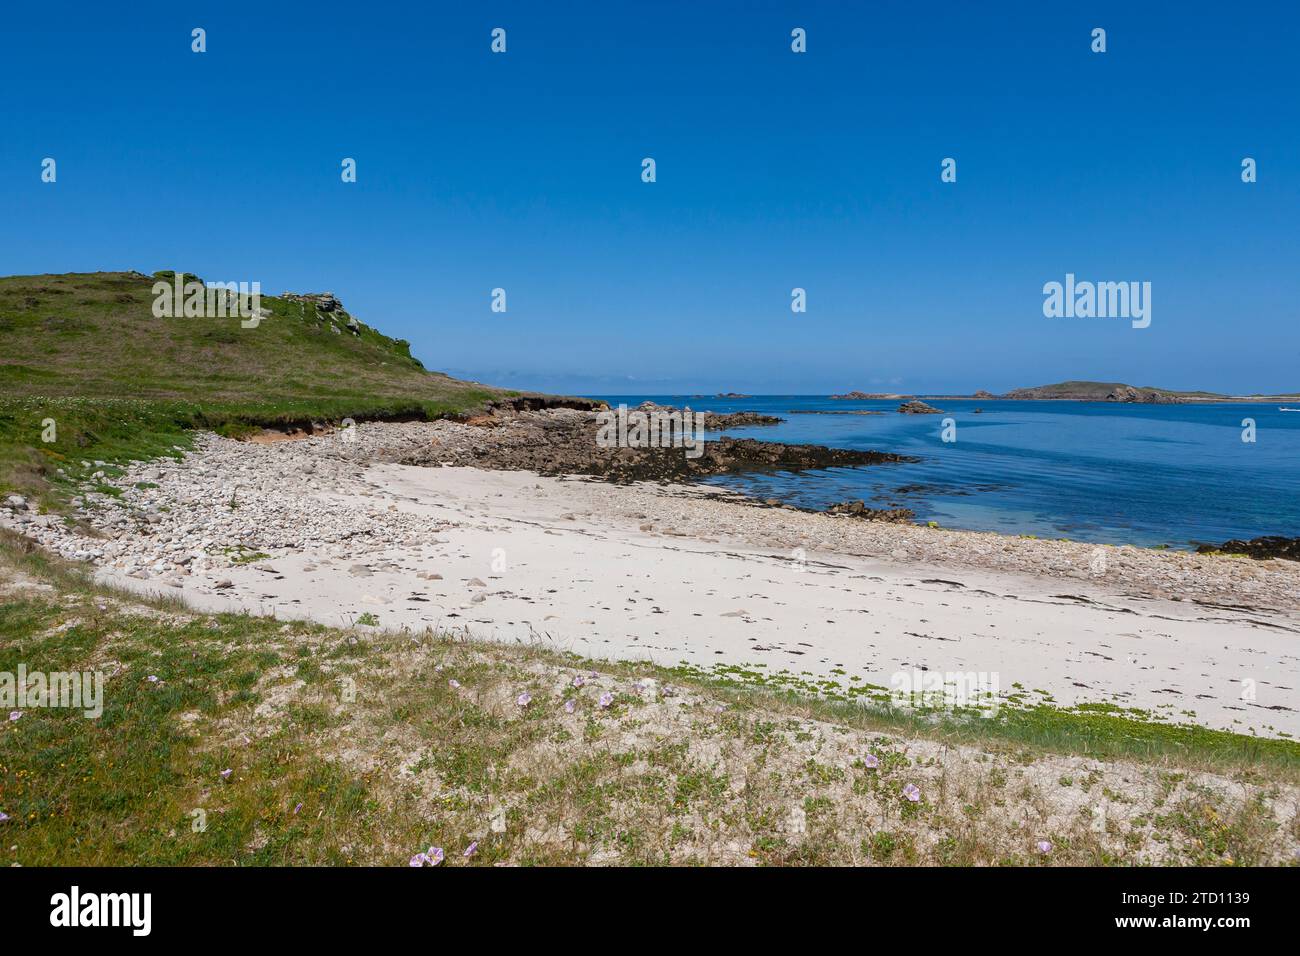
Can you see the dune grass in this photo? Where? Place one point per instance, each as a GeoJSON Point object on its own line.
{"type": "Point", "coordinates": [1027, 718]}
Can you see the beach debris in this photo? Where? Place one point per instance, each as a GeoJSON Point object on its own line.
{"type": "Point", "coordinates": [857, 508]}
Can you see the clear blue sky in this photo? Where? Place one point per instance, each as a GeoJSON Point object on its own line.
{"type": "Point", "coordinates": [775, 170]}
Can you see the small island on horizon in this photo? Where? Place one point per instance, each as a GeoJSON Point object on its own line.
{"type": "Point", "coordinates": [1085, 391]}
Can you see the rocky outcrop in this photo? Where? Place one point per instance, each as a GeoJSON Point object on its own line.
{"type": "Point", "coordinates": [327, 309]}
{"type": "Point", "coordinates": [716, 421]}
{"type": "Point", "coordinates": [563, 441]}
{"type": "Point", "coordinates": [833, 411]}
{"type": "Point", "coordinates": [324, 301]}
{"type": "Point", "coordinates": [859, 509]}
{"type": "Point", "coordinates": [917, 407]}
{"type": "Point", "coordinates": [1268, 546]}
{"type": "Point", "coordinates": [719, 421]}
{"type": "Point", "coordinates": [1146, 396]}
{"type": "Point", "coordinates": [856, 396]}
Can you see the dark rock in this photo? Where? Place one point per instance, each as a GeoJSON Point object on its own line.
{"type": "Point", "coordinates": [1268, 546]}
{"type": "Point", "coordinates": [565, 442]}
{"type": "Point", "coordinates": [1127, 393]}
{"type": "Point", "coordinates": [716, 421]}
{"type": "Point", "coordinates": [536, 402]}
{"type": "Point", "coordinates": [858, 509]}
{"type": "Point", "coordinates": [917, 407]}
{"type": "Point", "coordinates": [833, 411]}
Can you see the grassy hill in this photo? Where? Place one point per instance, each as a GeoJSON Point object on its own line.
{"type": "Point", "coordinates": [85, 352]}
{"type": "Point", "coordinates": [95, 335]}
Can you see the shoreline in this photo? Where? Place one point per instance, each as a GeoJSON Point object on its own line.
{"type": "Point", "coordinates": [343, 532]}
{"type": "Point", "coordinates": [1263, 540]}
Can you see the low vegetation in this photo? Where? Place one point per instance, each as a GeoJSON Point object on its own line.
{"type": "Point", "coordinates": [231, 739]}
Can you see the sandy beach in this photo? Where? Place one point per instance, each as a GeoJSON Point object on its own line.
{"type": "Point", "coordinates": [676, 574]}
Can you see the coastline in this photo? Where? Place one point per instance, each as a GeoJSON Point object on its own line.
{"type": "Point", "coordinates": [345, 531]}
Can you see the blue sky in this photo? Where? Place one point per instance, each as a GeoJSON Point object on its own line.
{"type": "Point", "coordinates": [775, 170]}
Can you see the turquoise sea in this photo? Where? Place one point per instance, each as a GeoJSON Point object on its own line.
{"type": "Point", "coordinates": [1172, 475]}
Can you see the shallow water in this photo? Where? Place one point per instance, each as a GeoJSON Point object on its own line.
{"type": "Point", "coordinates": [1089, 471]}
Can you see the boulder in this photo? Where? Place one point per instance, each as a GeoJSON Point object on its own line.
{"type": "Point", "coordinates": [918, 407]}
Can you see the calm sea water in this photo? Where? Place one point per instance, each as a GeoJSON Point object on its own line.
{"type": "Point", "coordinates": [1090, 471]}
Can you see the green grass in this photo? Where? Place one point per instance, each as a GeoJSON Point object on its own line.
{"type": "Point", "coordinates": [85, 353]}
{"type": "Point", "coordinates": [1104, 731]}
{"type": "Point", "coordinates": [94, 334]}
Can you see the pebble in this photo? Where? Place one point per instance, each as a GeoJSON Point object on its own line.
{"type": "Point", "coordinates": [227, 500]}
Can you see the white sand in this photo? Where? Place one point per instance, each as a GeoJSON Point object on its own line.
{"type": "Point", "coordinates": [559, 565]}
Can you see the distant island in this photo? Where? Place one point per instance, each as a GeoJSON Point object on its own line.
{"type": "Point", "coordinates": [1078, 391]}
{"type": "Point", "coordinates": [1109, 392]}
{"type": "Point", "coordinates": [867, 396]}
